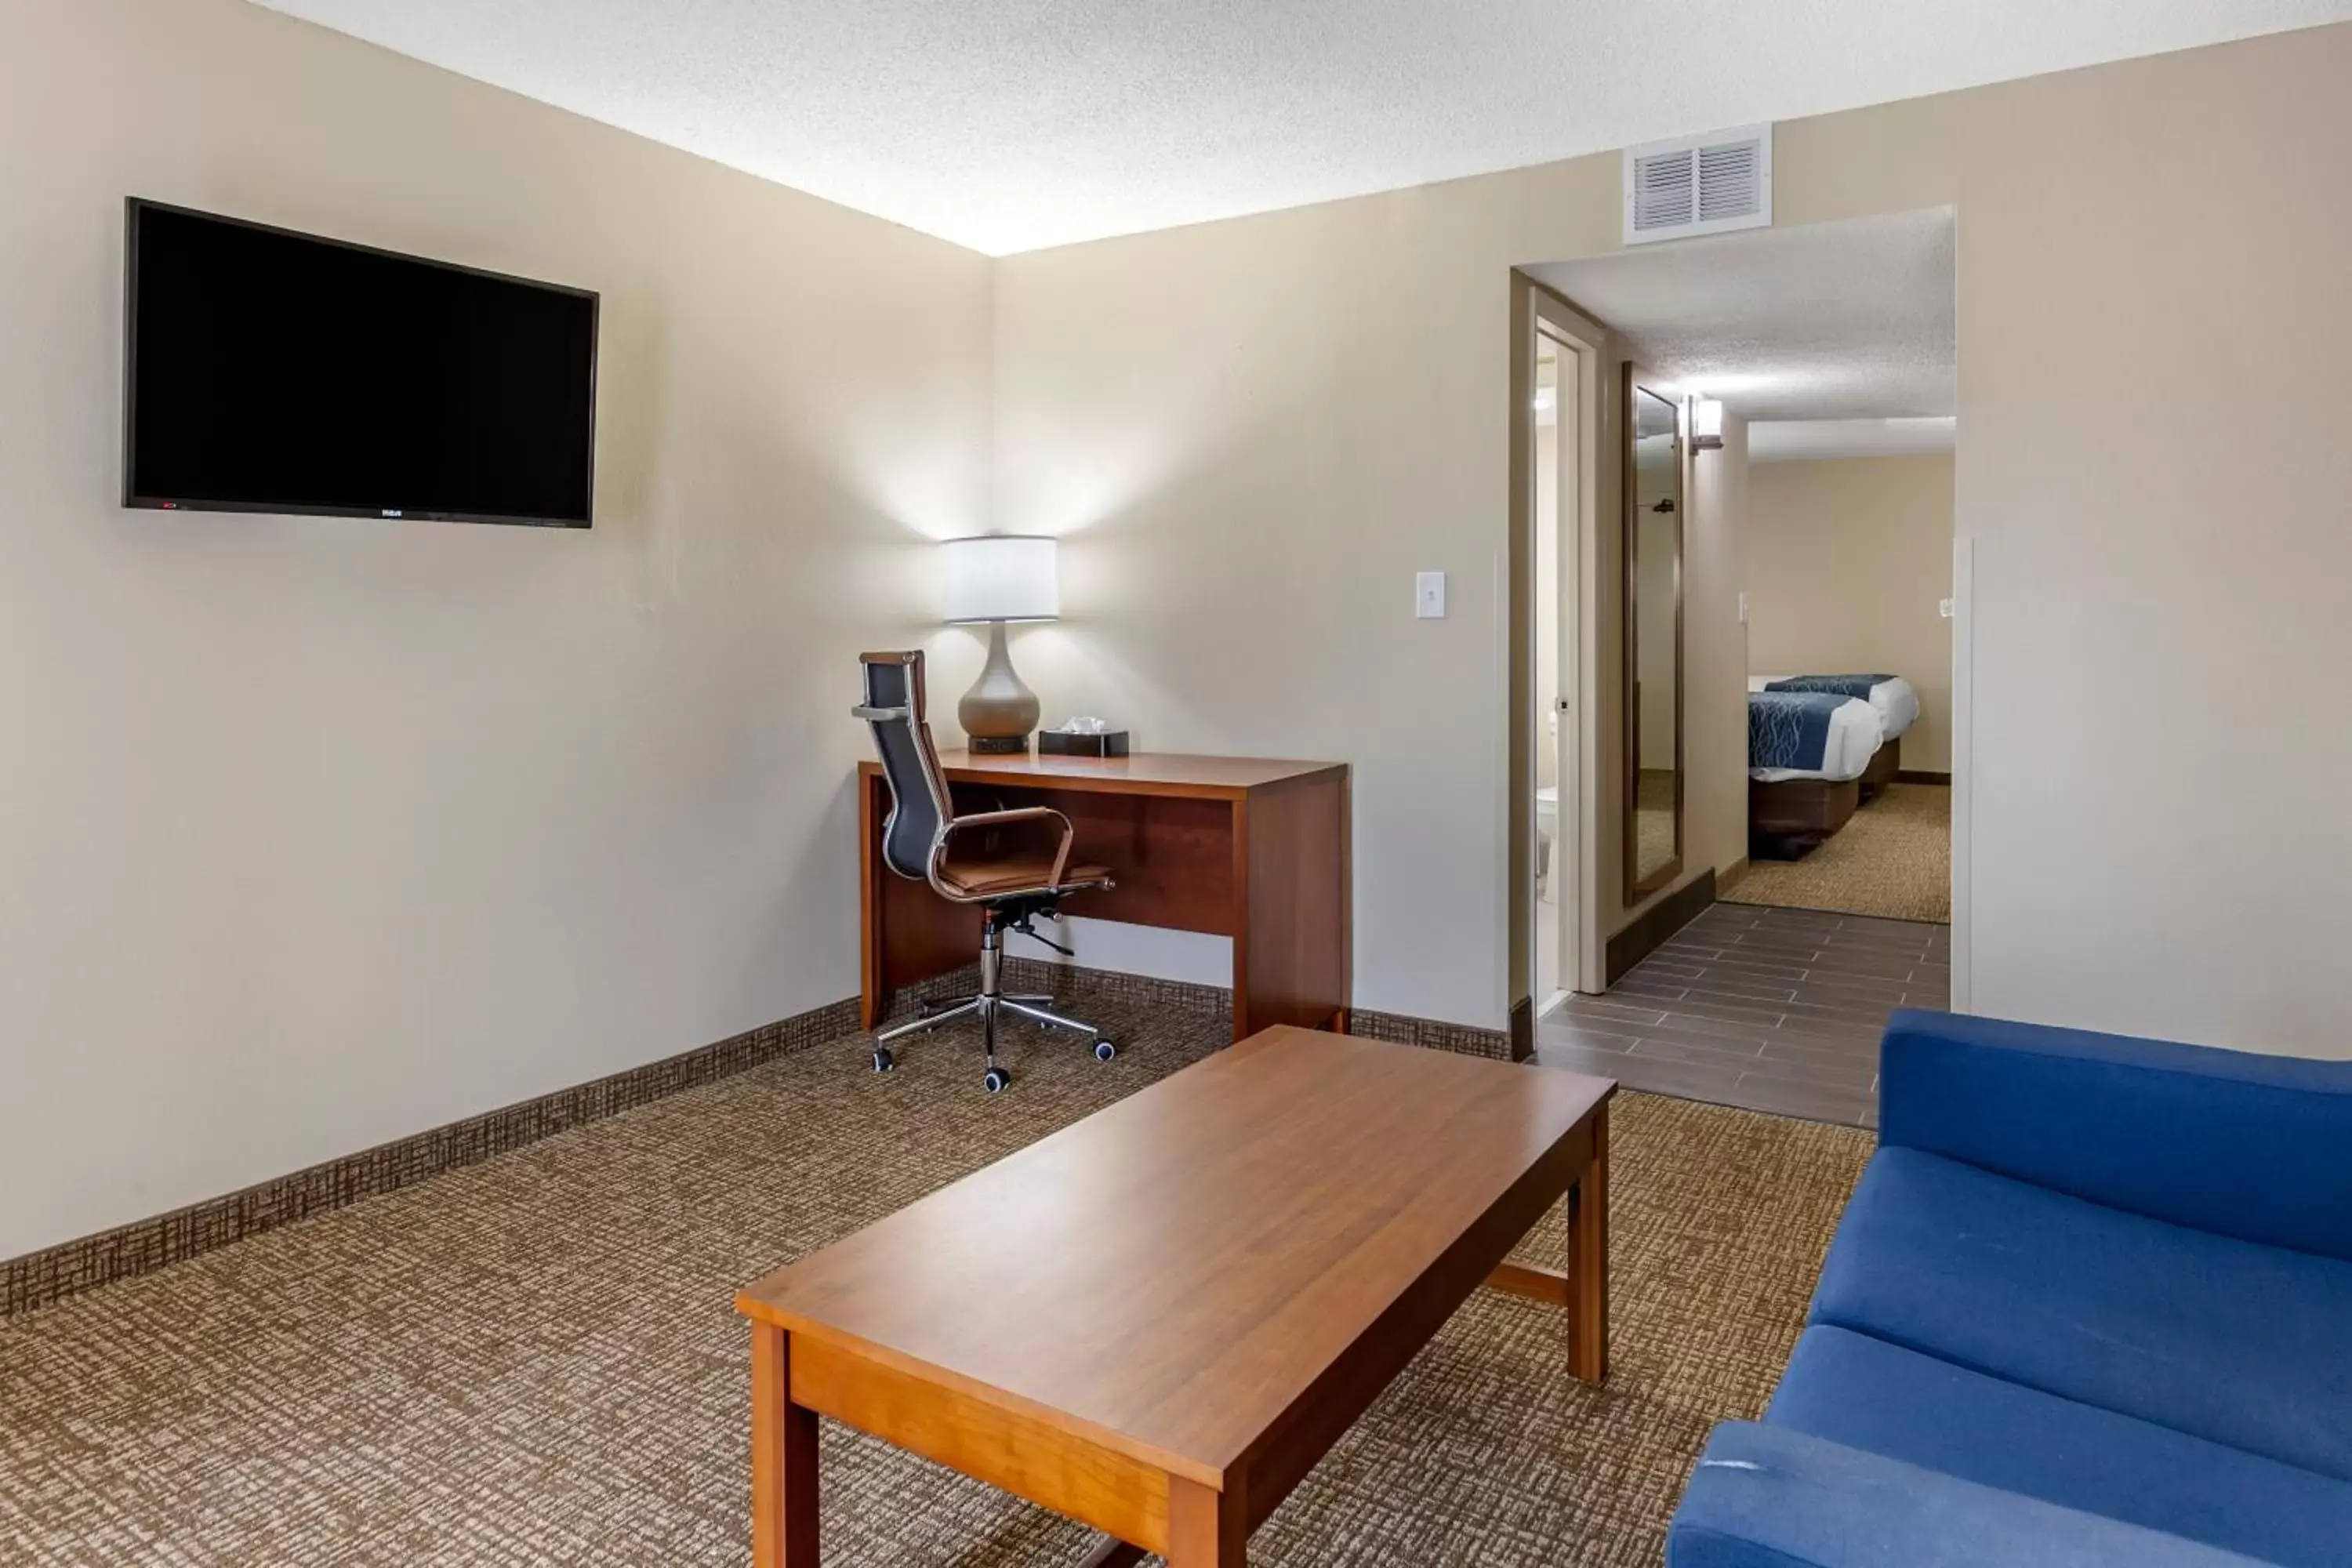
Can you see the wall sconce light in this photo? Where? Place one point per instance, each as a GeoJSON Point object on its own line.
{"type": "Point", "coordinates": [1707, 424]}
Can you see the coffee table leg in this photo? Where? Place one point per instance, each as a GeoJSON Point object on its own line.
{"type": "Point", "coordinates": [784, 1459]}
{"type": "Point", "coordinates": [1206, 1529]}
{"type": "Point", "coordinates": [1588, 1261]}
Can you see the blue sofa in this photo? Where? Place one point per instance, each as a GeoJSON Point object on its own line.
{"type": "Point", "coordinates": [2090, 1303]}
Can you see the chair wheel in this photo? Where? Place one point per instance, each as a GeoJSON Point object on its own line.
{"type": "Point", "coordinates": [1105, 1050]}
{"type": "Point", "coordinates": [997, 1080]}
{"type": "Point", "coordinates": [883, 1060]}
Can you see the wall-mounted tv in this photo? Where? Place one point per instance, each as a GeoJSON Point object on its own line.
{"type": "Point", "coordinates": [268, 371]}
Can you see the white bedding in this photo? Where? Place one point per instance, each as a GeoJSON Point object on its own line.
{"type": "Point", "coordinates": [1894, 700]}
{"type": "Point", "coordinates": [1853, 739]}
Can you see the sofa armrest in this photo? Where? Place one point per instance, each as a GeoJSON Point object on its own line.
{"type": "Point", "coordinates": [1766, 1496]}
{"type": "Point", "coordinates": [2257, 1147]}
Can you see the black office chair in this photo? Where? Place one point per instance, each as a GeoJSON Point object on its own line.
{"type": "Point", "coordinates": [926, 841]}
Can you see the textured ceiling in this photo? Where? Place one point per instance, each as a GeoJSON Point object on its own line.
{"type": "Point", "coordinates": [1827, 322]}
{"type": "Point", "coordinates": [1020, 123]}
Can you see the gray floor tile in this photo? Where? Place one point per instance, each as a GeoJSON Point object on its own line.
{"type": "Point", "coordinates": [1682, 1079]}
{"type": "Point", "coordinates": [1716, 985]}
{"type": "Point", "coordinates": [1729, 1011]}
{"type": "Point", "coordinates": [1550, 1032]}
{"type": "Point", "coordinates": [1608, 1014]}
{"type": "Point", "coordinates": [1776, 1010]}
{"type": "Point", "coordinates": [1753, 966]}
{"type": "Point", "coordinates": [1730, 1055]}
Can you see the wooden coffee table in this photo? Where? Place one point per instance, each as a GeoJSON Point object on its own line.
{"type": "Point", "coordinates": [1158, 1320]}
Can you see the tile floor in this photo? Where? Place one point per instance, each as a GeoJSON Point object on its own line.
{"type": "Point", "coordinates": [1771, 1009]}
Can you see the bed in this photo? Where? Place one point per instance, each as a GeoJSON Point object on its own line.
{"type": "Point", "coordinates": [1807, 753]}
{"type": "Point", "coordinates": [1890, 696]}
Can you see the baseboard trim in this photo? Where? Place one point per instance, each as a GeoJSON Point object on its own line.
{"type": "Point", "coordinates": [1921, 776]}
{"type": "Point", "coordinates": [1650, 929]}
{"type": "Point", "coordinates": [1404, 1030]}
{"type": "Point", "coordinates": [1729, 877]}
{"type": "Point", "coordinates": [43, 1279]}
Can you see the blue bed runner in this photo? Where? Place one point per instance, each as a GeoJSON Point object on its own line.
{"type": "Point", "coordinates": [1837, 685]}
{"type": "Point", "coordinates": [1789, 729]}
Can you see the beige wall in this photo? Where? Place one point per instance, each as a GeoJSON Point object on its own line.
{"type": "Point", "coordinates": [1258, 429]}
{"type": "Point", "coordinates": [1847, 561]}
{"type": "Point", "coordinates": [1717, 561]}
{"type": "Point", "coordinates": [318, 833]}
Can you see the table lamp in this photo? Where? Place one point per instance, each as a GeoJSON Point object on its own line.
{"type": "Point", "coordinates": [996, 578]}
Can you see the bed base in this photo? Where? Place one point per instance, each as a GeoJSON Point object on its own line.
{"type": "Point", "coordinates": [1787, 820]}
{"type": "Point", "coordinates": [1885, 763]}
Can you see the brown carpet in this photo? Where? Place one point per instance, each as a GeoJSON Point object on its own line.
{"type": "Point", "coordinates": [1895, 859]}
{"type": "Point", "coordinates": [535, 1360]}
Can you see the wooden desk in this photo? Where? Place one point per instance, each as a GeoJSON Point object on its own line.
{"type": "Point", "coordinates": [1156, 1320]}
{"type": "Point", "coordinates": [1245, 847]}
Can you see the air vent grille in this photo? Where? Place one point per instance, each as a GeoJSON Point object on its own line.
{"type": "Point", "coordinates": [1662, 191]}
{"type": "Point", "coordinates": [1699, 184]}
{"type": "Point", "coordinates": [1728, 182]}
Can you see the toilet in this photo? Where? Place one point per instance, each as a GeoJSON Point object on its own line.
{"type": "Point", "coordinates": [1547, 830]}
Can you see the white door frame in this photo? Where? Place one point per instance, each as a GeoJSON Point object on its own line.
{"type": "Point", "coordinates": [1964, 747]}
{"type": "Point", "coordinates": [1538, 312]}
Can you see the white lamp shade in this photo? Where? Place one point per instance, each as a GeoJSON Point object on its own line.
{"type": "Point", "coordinates": [1002, 577]}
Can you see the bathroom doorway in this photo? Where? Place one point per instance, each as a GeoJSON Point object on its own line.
{"type": "Point", "coordinates": [1558, 395]}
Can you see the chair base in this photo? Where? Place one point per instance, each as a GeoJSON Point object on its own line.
{"type": "Point", "coordinates": [988, 1005]}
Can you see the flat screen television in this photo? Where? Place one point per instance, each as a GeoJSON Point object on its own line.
{"type": "Point", "coordinates": [269, 370]}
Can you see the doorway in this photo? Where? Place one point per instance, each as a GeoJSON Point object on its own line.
{"type": "Point", "coordinates": [1822, 600]}
{"type": "Point", "coordinates": [1556, 858]}
{"type": "Point", "coordinates": [1558, 392]}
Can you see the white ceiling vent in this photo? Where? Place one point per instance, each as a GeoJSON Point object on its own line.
{"type": "Point", "coordinates": [1699, 184]}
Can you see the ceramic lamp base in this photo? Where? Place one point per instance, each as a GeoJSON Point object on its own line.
{"type": "Point", "coordinates": [999, 712]}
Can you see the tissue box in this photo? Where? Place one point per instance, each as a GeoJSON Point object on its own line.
{"type": "Point", "coordinates": [1062, 743]}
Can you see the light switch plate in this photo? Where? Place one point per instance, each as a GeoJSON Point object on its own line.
{"type": "Point", "coordinates": [1743, 609]}
{"type": "Point", "coordinates": [1429, 595]}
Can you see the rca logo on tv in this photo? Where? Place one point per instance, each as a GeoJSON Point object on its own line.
{"type": "Point", "coordinates": [392, 511]}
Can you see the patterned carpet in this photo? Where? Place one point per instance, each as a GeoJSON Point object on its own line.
{"type": "Point", "coordinates": [1895, 859]}
{"type": "Point", "coordinates": [535, 1360]}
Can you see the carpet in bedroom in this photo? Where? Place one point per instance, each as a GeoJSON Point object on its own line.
{"type": "Point", "coordinates": [1893, 860]}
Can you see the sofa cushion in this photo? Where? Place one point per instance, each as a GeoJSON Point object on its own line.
{"type": "Point", "coordinates": [2244, 1345]}
{"type": "Point", "coordinates": [2236, 1143]}
{"type": "Point", "coordinates": [1771, 1497]}
{"type": "Point", "coordinates": [1865, 1393]}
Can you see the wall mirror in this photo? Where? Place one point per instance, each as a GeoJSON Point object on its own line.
{"type": "Point", "coordinates": [1653, 640]}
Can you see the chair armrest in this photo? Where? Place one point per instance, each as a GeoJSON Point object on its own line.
{"type": "Point", "coordinates": [1017, 814]}
{"type": "Point", "coordinates": [2257, 1147]}
{"type": "Point", "coordinates": [1766, 1496]}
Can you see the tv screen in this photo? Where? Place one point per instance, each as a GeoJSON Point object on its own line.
{"type": "Point", "coordinates": [277, 372]}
